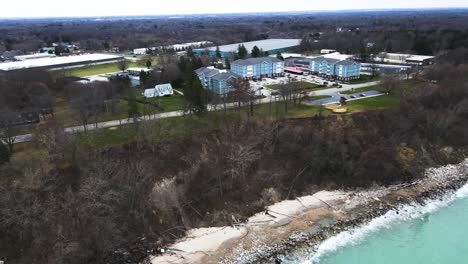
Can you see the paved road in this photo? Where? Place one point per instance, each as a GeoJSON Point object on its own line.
{"type": "Point", "coordinates": [113, 123]}
{"type": "Point", "coordinates": [349, 97]}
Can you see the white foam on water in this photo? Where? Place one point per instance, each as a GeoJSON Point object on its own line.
{"type": "Point", "coordinates": [388, 220]}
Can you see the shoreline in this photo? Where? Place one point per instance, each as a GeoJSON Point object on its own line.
{"type": "Point", "coordinates": [308, 221]}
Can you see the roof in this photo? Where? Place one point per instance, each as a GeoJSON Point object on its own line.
{"type": "Point", "coordinates": [208, 71]}
{"type": "Point", "coordinates": [346, 62]}
{"type": "Point", "coordinates": [159, 90]}
{"type": "Point", "coordinates": [254, 61]}
{"type": "Point", "coordinates": [294, 69]}
{"type": "Point", "coordinates": [321, 58]}
{"type": "Point", "coordinates": [419, 58]}
{"type": "Point", "coordinates": [163, 86]}
{"type": "Point", "coordinates": [217, 74]}
{"type": "Point", "coordinates": [266, 45]}
{"type": "Point", "coordinates": [139, 69]}
{"type": "Point", "coordinates": [57, 61]}
{"type": "Point", "coordinates": [224, 76]}
{"type": "Point", "coordinates": [34, 56]}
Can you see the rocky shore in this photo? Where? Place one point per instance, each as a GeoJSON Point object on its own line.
{"type": "Point", "coordinates": [437, 183]}
{"type": "Point", "coordinates": [304, 223]}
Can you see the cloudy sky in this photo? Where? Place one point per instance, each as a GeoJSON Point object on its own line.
{"type": "Point", "coordinates": [60, 8]}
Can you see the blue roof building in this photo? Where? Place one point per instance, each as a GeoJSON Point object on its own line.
{"type": "Point", "coordinates": [333, 68]}
{"type": "Point", "coordinates": [215, 80]}
{"type": "Point", "coordinates": [258, 67]}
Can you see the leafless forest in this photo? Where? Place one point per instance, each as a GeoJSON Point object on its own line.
{"type": "Point", "coordinates": [73, 201]}
{"type": "Point", "coordinates": [422, 32]}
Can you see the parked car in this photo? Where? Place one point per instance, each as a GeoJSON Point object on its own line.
{"type": "Point", "coordinates": [352, 96]}
{"type": "Point", "coordinates": [325, 83]}
{"type": "Point", "coordinates": [339, 86]}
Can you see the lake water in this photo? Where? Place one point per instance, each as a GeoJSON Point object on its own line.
{"type": "Point", "coordinates": [436, 233]}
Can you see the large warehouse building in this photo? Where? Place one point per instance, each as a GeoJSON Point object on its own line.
{"type": "Point", "coordinates": [60, 62]}
{"type": "Point", "coordinates": [271, 46]}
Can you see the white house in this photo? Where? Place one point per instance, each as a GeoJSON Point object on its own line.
{"type": "Point", "coordinates": [141, 51]}
{"type": "Point", "coordinates": [159, 90]}
{"type": "Point", "coordinates": [327, 51]}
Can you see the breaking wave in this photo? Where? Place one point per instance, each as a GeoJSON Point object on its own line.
{"type": "Point", "coordinates": [388, 220]}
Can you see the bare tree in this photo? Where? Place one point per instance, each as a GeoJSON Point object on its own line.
{"type": "Point", "coordinates": [122, 65]}
{"type": "Point", "coordinates": [8, 131]}
{"type": "Point", "coordinates": [241, 90]}
{"type": "Point", "coordinates": [285, 91]}
{"type": "Point", "coordinates": [373, 70]}
{"type": "Point", "coordinates": [391, 83]}
{"type": "Point", "coordinates": [51, 136]}
{"type": "Point", "coordinates": [88, 100]}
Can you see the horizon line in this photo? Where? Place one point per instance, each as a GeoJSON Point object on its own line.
{"type": "Point", "coordinates": [238, 13]}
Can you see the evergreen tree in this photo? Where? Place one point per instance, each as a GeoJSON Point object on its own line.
{"type": "Point", "coordinates": [143, 77]}
{"type": "Point", "coordinates": [182, 64]}
{"type": "Point", "coordinates": [190, 52]}
{"type": "Point", "coordinates": [4, 154]}
{"type": "Point", "coordinates": [218, 53]}
{"type": "Point", "coordinates": [279, 56]}
{"type": "Point", "coordinates": [197, 63]}
{"type": "Point", "coordinates": [242, 52]}
{"type": "Point", "coordinates": [306, 45]}
{"type": "Point", "coordinates": [148, 64]}
{"type": "Point", "coordinates": [132, 105]}
{"type": "Point", "coordinates": [227, 63]}
{"type": "Point", "coordinates": [194, 94]}
{"type": "Point", "coordinates": [255, 52]}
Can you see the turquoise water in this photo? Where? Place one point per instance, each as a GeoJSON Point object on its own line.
{"type": "Point", "coordinates": [430, 234]}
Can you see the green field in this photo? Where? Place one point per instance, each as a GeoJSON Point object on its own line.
{"type": "Point", "coordinates": [100, 68]}
{"type": "Point", "coordinates": [364, 89]}
{"type": "Point", "coordinates": [373, 103]}
{"type": "Point", "coordinates": [68, 117]}
{"type": "Point", "coordinates": [183, 126]}
{"type": "Point", "coordinates": [304, 85]}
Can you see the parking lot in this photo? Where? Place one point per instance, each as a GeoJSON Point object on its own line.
{"type": "Point", "coordinates": [335, 98]}
{"type": "Point", "coordinates": [260, 86]}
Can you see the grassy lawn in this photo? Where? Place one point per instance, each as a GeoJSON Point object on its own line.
{"type": "Point", "coordinates": [363, 79]}
{"type": "Point", "coordinates": [100, 68]}
{"type": "Point", "coordinates": [183, 126]}
{"type": "Point", "coordinates": [68, 117]}
{"type": "Point", "coordinates": [305, 85]}
{"type": "Point", "coordinates": [373, 103]}
{"type": "Point", "coordinates": [364, 89]}
{"type": "Point", "coordinates": [190, 124]}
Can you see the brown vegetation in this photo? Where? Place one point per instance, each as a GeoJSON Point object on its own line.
{"type": "Point", "coordinates": [83, 204]}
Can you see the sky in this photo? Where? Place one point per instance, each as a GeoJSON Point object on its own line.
{"type": "Point", "coordinates": [92, 8]}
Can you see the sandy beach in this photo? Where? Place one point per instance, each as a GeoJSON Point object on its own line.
{"type": "Point", "coordinates": [305, 221]}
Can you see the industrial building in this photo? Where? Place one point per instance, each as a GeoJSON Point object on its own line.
{"type": "Point", "coordinates": [60, 62]}
{"type": "Point", "coordinates": [176, 47]}
{"type": "Point", "coordinates": [258, 67]}
{"type": "Point", "coordinates": [269, 46]}
{"type": "Point", "coordinates": [215, 80]}
{"type": "Point", "coordinates": [372, 68]}
{"type": "Point", "coordinates": [399, 58]}
{"type": "Point", "coordinates": [34, 56]}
